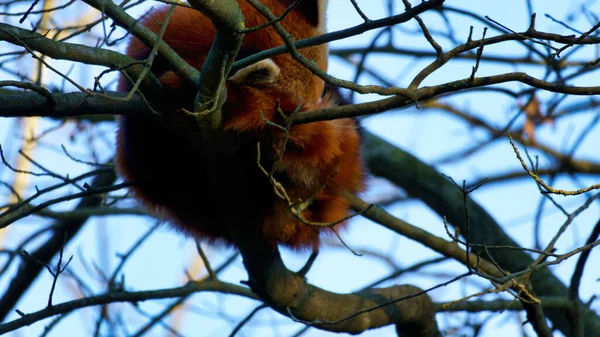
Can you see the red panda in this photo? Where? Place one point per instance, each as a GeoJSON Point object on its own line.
{"type": "Point", "coordinates": [204, 186]}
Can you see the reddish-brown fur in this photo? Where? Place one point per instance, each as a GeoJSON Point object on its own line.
{"type": "Point", "coordinates": [205, 181]}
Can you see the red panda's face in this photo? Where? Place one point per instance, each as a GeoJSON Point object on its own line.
{"type": "Point", "coordinates": [255, 90]}
{"type": "Point", "coordinates": [260, 91]}
{"type": "Point", "coordinates": [282, 76]}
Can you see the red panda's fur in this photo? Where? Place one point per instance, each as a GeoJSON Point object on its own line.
{"type": "Point", "coordinates": [203, 186]}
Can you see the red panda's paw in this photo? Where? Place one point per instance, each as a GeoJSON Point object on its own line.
{"type": "Point", "coordinates": [170, 80]}
{"type": "Point", "coordinates": [252, 97]}
{"type": "Point", "coordinates": [325, 211]}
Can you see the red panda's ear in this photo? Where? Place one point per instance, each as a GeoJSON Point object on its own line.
{"type": "Point", "coordinates": [313, 10]}
{"type": "Point", "coordinates": [261, 73]}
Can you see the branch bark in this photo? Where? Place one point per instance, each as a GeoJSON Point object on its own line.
{"type": "Point", "coordinates": [406, 306]}
{"type": "Point", "coordinates": [227, 18]}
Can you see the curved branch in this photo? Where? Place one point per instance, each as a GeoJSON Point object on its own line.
{"type": "Point", "coordinates": [288, 293]}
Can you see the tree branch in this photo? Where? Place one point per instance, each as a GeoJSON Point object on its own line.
{"type": "Point", "coordinates": [441, 195]}
{"type": "Point", "coordinates": [62, 233]}
{"type": "Point", "coordinates": [290, 294]}
{"type": "Point", "coordinates": [78, 53]}
{"type": "Point", "coordinates": [125, 296]}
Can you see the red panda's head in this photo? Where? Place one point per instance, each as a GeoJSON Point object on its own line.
{"type": "Point", "coordinates": [258, 86]}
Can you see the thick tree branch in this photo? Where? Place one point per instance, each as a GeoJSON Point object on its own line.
{"type": "Point", "coordinates": [290, 294]}
{"type": "Point", "coordinates": [227, 18]}
{"type": "Point", "coordinates": [425, 183]}
{"type": "Point", "coordinates": [72, 105]}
